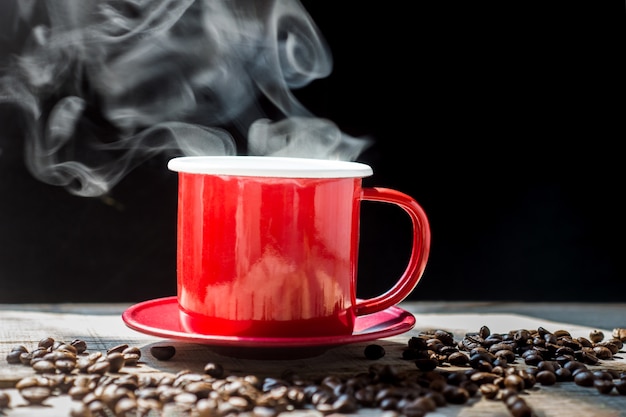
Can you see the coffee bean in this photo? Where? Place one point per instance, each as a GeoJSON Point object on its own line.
{"type": "Point", "coordinates": [39, 353]}
{"type": "Point", "coordinates": [612, 345]}
{"type": "Point", "coordinates": [83, 364]}
{"type": "Point", "coordinates": [584, 378]}
{"type": "Point", "coordinates": [116, 361]}
{"type": "Point", "coordinates": [619, 333]}
{"type": "Point", "coordinates": [132, 350]}
{"type": "Point", "coordinates": [489, 391]}
{"type": "Point", "coordinates": [44, 367]}
{"type": "Point", "coordinates": [456, 395]}
{"type": "Point", "coordinates": [36, 394]}
{"type": "Point", "coordinates": [587, 357]}
{"type": "Point", "coordinates": [97, 408]}
{"type": "Point", "coordinates": [427, 364]}
{"type": "Point", "coordinates": [533, 358]}
{"type": "Point", "coordinates": [345, 404]}
{"type": "Point", "coordinates": [19, 348]}
{"type": "Point", "coordinates": [574, 365]}
{"type": "Point", "coordinates": [57, 355]}
{"type": "Point", "coordinates": [100, 368]}
{"type": "Point", "coordinates": [46, 343]}
{"type": "Point", "coordinates": [603, 386]}
{"type": "Point", "coordinates": [5, 400]}
{"type": "Point", "coordinates": [214, 369]}
{"type": "Point", "coordinates": [596, 336]}
{"type": "Point", "coordinates": [620, 386]}
{"type": "Point", "coordinates": [507, 355]}
{"type": "Point", "coordinates": [374, 351]}
{"type": "Point", "coordinates": [126, 406]}
{"type": "Point", "coordinates": [13, 357]}
{"type": "Point", "coordinates": [188, 399]}
{"type": "Point", "coordinates": [434, 344]}
{"type": "Point", "coordinates": [118, 348]}
{"type": "Point", "coordinates": [458, 359]}
{"type": "Point", "coordinates": [417, 343]}
{"type": "Point", "coordinates": [561, 333]}
{"type": "Point", "coordinates": [446, 337]}
{"type": "Point", "coordinates": [519, 408]}
{"type": "Point", "coordinates": [563, 374]}
{"type": "Point", "coordinates": [484, 332]}
{"type": "Point", "coordinates": [64, 347]}
{"type": "Point", "coordinates": [79, 345]}
{"type": "Point", "coordinates": [546, 377]}
{"type": "Point", "coordinates": [514, 382]}
{"type": "Point", "coordinates": [65, 366]}
{"type": "Point", "coordinates": [131, 359]}
{"type": "Point", "coordinates": [78, 393]}
{"type": "Point", "coordinates": [550, 366]}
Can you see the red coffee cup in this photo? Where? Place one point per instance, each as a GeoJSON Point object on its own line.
{"type": "Point", "coordinates": [268, 246]}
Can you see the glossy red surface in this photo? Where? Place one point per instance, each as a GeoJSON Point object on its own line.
{"type": "Point", "coordinates": [277, 256]}
{"type": "Point", "coordinates": [267, 256]}
{"type": "Point", "coordinates": [159, 318]}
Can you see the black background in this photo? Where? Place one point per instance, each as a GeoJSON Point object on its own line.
{"type": "Point", "coordinates": [504, 121]}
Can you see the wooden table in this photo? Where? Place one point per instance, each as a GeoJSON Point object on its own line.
{"type": "Point", "coordinates": [101, 327]}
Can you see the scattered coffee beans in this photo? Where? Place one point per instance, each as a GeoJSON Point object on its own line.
{"type": "Point", "coordinates": [498, 367]}
{"type": "Point", "coordinates": [497, 361]}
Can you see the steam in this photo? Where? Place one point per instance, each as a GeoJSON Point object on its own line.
{"type": "Point", "coordinates": [101, 86]}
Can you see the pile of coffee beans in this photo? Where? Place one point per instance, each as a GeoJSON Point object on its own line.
{"type": "Point", "coordinates": [502, 366]}
{"type": "Point", "coordinates": [498, 367]}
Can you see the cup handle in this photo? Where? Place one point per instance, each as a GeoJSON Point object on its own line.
{"type": "Point", "coordinates": [419, 251]}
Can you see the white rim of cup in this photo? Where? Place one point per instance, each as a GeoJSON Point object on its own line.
{"type": "Point", "coordinates": [269, 166]}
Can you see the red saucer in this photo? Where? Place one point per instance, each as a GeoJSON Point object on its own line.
{"type": "Point", "coordinates": [159, 317]}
